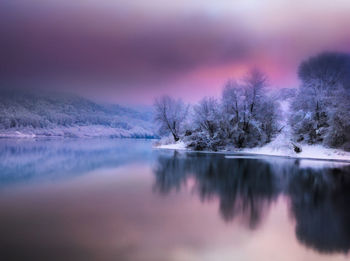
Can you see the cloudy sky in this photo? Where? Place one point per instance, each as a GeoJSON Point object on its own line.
{"type": "Point", "coordinates": [131, 51]}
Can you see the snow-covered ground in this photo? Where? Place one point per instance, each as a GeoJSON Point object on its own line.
{"type": "Point", "coordinates": [173, 146]}
{"type": "Point", "coordinates": [282, 144]}
{"type": "Point", "coordinates": [308, 151]}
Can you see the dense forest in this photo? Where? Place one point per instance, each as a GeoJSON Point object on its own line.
{"type": "Point", "coordinates": [62, 114]}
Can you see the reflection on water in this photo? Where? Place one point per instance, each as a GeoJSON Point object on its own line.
{"type": "Point", "coordinates": [319, 198]}
{"type": "Point", "coordinates": [28, 160]}
{"type": "Point", "coordinates": [101, 199]}
{"type": "Point", "coordinates": [320, 203]}
{"type": "Point", "coordinates": [244, 189]}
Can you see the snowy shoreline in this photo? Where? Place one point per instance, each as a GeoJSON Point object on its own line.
{"type": "Point", "coordinates": [281, 146]}
{"type": "Point", "coordinates": [90, 131]}
{"type": "Point", "coordinates": [310, 152]}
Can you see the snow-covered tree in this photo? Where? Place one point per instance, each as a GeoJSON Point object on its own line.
{"type": "Point", "coordinates": [325, 71]}
{"type": "Point", "coordinates": [206, 124]}
{"type": "Point", "coordinates": [245, 117]}
{"type": "Point", "coordinates": [232, 96]}
{"type": "Point", "coordinates": [45, 113]}
{"type": "Point", "coordinates": [207, 116]}
{"type": "Point", "coordinates": [170, 114]}
{"type": "Point", "coordinates": [338, 133]}
{"type": "Point", "coordinates": [250, 116]}
{"type": "Point", "coordinates": [320, 113]}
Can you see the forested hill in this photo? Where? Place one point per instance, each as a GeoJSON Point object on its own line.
{"type": "Point", "coordinates": [42, 114]}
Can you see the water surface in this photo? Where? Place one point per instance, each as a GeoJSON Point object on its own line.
{"type": "Point", "coordinates": [113, 199]}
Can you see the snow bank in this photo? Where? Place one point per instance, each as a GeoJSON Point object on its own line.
{"type": "Point", "coordinates": [320, 152]}
{"type": "Point", "coordinates": [280, 147]}
{"type": "Point", "coordinates": [173, 146]}
{"type": "Point", "coordinates": [283, 146]}
{"type": "Point", "coordinates": [320, 164]}
{"type": "Point", "coordinates": [16, 134]}
{"type": "Point", "coordinates": [311, 152]}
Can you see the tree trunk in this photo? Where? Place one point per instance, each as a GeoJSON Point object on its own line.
{"type": "Point", "coordinates": [176, 138]}
{"type": "Point", "coordinates": [317, 112]}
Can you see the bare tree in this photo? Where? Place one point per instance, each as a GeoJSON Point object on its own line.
{"type": "Point", "coordinates": [207, 115]}
{"type": "Point", "coordinates": [248, 114]}
{"type": "Point", "coordinates": [255, 81]}
{"type": "Point", "coordinates": [170, 114]}
{"type": "Point", "coordinates": [231, 99]}
{"type": "Point", "coordinates": [232, 108]}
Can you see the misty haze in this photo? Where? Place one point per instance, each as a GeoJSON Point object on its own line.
{"type": "Point", "coordinates": [181, 131]}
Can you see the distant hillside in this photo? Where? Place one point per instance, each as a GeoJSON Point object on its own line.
{"type": "Point", "coordinates": [29, 114]}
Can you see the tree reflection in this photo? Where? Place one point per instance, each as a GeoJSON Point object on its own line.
{"type": "Point", "coordinates": [244, 190]}
{"type": "Point", "coordinates": [319, 198]}
{"type": "Point", "coordinates": [320, 202]}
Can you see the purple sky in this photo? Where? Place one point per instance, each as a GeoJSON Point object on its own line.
{"type": "Point", "coordinates": [132, 51]}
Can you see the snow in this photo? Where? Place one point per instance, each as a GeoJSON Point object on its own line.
{"type": "Point", "coordinates": [320, 164]}
{"type": "Point", "coordinates": [180, 145]}
{"type": "Point", "coordinates": [320, 152]}
{"type": "Point", "coordinates": [16, 134]}
{"type": "Point", "coordinates": [282, 144]}
{"type": "Point", "coordinates": [308, 151]}
{"type": "Point", "coordinates": [311, 156]}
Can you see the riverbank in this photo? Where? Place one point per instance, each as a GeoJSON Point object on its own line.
{"type": "Point", "coordinates": [309, 152]}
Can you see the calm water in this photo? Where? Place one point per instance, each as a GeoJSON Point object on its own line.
{"type": "Point", "coordinates": [99, 199]}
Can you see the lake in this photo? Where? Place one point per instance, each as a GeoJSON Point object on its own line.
{"type": "Point", "coordinates": [118, 199]}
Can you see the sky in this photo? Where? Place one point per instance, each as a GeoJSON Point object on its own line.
{"type": "Point", "coordinates": [133, 51]}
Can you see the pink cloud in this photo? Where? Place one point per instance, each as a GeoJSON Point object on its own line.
{"type": "Point", "coordinates": [125, 51]}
